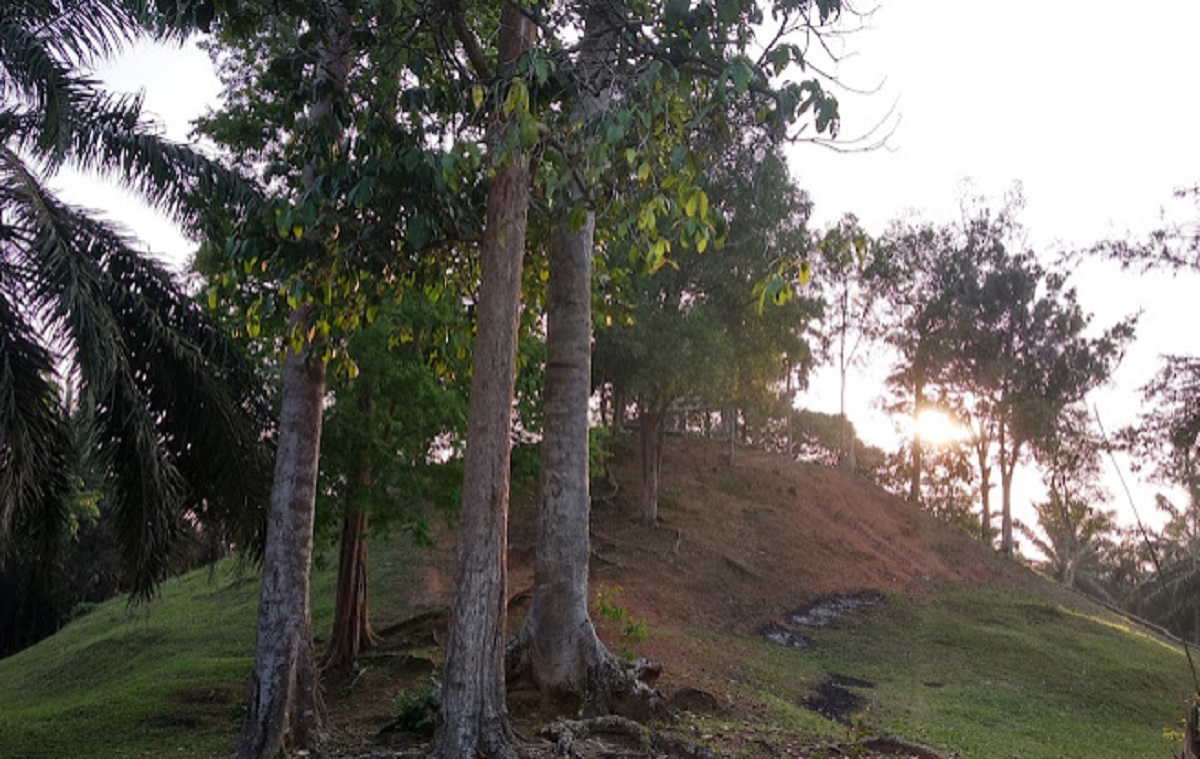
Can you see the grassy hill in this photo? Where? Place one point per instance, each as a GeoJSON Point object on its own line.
{"type": "Point", "coordinates": [957, 650]}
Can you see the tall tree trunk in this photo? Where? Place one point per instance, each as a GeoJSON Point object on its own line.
{"type": "Point", "coordinates": [558, 642]}
{"type": "Point", "coordinates": [618, 409]}
{"type": "Point", "coordinates": [351, 616]}
{"type": "Point", "coordinates": [285, 704]}
{"type": "Point", "coordinates": [285, 701]}
{"type": "Point", "coordinates": [914, 484]}
{"type": "Point", "coordinates": [985, 495]}
{"type": "Point", "coordinates": [473, 717]}
{"type": "Point", "coordinates": [650, 423]}
{"type": "Point", "coordinates": [849, 455]}
{"type": "Point", "coordinates": [1008, 463]}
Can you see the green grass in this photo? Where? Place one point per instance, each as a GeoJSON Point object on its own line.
{"type": "Point", "coordinates": [989, 674]}
{"type": "Point", "coordinates": [166, 679]}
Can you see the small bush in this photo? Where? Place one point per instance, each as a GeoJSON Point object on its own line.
{"type": "Point", "coordinates": [417, 710]}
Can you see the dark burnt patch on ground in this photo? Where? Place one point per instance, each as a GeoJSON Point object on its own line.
{"type": "Point", "coordinates": [825, 611]}
{"type": "Point", "coordinates": [834, 699]}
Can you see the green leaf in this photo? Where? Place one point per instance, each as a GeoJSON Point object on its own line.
{"type": "Point", "coordinates": [527, 133]}
{"type": "Point", "coordinates": [741, 76]}
{"type": "Point", "coordinates": [779, 58]}
{"type": "Point", "coordinates": [518, 98]}
{"type": "Point", "coordinates": [643, 172]}
{"type": "Point", "coordinates": [477, 96]}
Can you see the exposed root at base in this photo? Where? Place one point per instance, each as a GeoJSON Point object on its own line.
{"type": "Point", "coordinates": [624, 688]}
{"type": "Point", "coordinates": [567, 734]}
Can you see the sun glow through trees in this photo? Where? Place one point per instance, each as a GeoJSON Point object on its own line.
{"type": "Point", "coordinates": [938, 428]}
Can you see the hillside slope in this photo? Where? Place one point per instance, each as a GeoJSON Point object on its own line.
{"type": "Point", "coordinates": [953, 648]}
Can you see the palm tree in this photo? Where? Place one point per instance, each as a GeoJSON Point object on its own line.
{"type": "Point", "coordinates": [178, 413]}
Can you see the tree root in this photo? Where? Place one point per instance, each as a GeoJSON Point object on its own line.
{"type": "Point", "coordinates": [624, 688]}
{"type": "Point", "coordinates": [567, 733]}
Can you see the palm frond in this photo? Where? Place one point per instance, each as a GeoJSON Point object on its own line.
{"type": "Point", "coordinates": [80, 31]}
{"type": "Point", "coordinates": [31, 73]}
{"type": "Point", "coordinates": [178, 413]}
{"type": "Point", "coordinates": [35, 443]}
{"type": "Point", "coordinates": [60, 116]}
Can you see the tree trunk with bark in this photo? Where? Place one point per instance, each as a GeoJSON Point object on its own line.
{"type": "Point", "coordinates": [985, 495]}
{"type": "Point", "coordinates": [473, 718]}
{"type": "Point", "coordinates": [914, 484]}
{"type": "Point", "coordinates": [285, 705]}
{"type": "Point", "coordinates": [557, 645]}
{"type": "Point", "coordinates": [351, 616]}
{"type": "Point", "coordinates": [1008, 465]}
{"type": "Point", "coordinates": [650, 428]}
{"type": "Point", "coordinates": [1191, 735]}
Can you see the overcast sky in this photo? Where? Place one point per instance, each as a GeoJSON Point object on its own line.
{"type": "Point", "coordinates": [1090, 105]}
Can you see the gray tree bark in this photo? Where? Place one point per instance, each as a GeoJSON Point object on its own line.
{"type": "Point", "coordinates": [473, 718]}
{"type": "Point", "coordinates": [285, 704]}
{"type": "Point", "coordinates": [557, 643]}
{"type": "Point", "coordinates": [285, 700]}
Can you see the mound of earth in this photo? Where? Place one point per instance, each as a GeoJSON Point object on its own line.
{"type": "Point", "coordinates": [761, 545]}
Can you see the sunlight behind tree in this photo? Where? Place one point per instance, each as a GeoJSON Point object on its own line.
{"type": "Point", "coordinates": [937, 428]}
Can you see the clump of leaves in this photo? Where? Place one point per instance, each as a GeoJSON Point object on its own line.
{"type": "Point", "coordinates": [417, 710]}
{"type": "Point", "coordinates": [632, 630]}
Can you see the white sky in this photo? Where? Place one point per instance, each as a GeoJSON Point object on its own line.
{"type": "Point", "coordinates": [1091, 105]}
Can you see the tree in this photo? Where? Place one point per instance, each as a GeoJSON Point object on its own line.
{"type": "Point", "coordinates": [285, 706]}
{"type": "Point", "coordinates": [1166, 440]}
{"type": "Point", "coordinates": [473, 716]}
{"type": "Point", "coordinates": [1001, 339]}
{"type": "Point", "coordinates": [178, 413]}
{"type": "Point", "coordinates": [915, 285]}
{"type": "Point", "coordinates": [557, 645]}
{"type": "Point", "coordinates": [627, 80]}
{"type": "Point", "coordinates": [1075, 529]}
{"type": "Point", "coordinates": [694, 329]}
{"type": "Point", "coordinates": [378, 437]}
{"type": "Point", "coordinates": [1028, 356]}
{"type": "Point", "coordinates": [845, 259]}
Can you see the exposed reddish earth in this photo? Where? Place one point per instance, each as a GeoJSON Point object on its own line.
{"type": "Point", "coordinates": [740, 547]}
